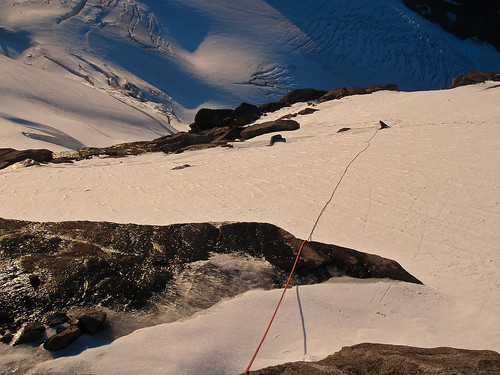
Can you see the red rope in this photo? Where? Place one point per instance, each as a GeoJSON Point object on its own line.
{"type": "Point", "coordinates": [302, 246]}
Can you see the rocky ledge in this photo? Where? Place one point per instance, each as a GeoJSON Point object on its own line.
{"type": "Point", "coordinates": [381, 359]}
{"type": "Point", "coordinates": [48, 269]}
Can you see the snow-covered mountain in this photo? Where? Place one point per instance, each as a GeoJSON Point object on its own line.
{"type": "Point", "coordinates": [169, 58]}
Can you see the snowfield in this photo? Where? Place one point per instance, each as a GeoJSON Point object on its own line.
{"type": "Point", "coordinates": [426, 193]}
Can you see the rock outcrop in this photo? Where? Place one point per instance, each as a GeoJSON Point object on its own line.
{"type": "Point", "coordinates": [382, 359]}
{"type": "Point", "coordinates": [127, 266]}
{"type": "Point", "coordinates": [348, 91]}
{"type": "Point", "coordinates": [206, 118]}
{"type": "Point", "coordinates": [292, 97]}
{"type": "Point", "coordinates": [9, 156]}
{"type": "Point", "coordinates": [269, 127]}
{"type": "Point", "coordinates": [472, 78]}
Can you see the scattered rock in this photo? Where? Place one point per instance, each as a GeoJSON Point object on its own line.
{"type": "Point", "coordinates": [90, 320]}
{"type": "Point", "coordinates": [292, 97]}
{"type": "Point", "coordinates": [29, 332]}
{"type": "Point", "coordinates": [348, 91]}
{"type": "Point", "coordinates": [474, 77]}
{"type": "Point", "coordinates": [62, 339]}
{"type": "Point", "coordinates": [383, 359]}
{"type": "Point", "coordinates": [9, 156]}
{"type": "Point", "coordinates": [276, 138]}
{"type": "Point", "coordinates": [341, 130]}
{"type": "Point", "coordinates": [269, 127]}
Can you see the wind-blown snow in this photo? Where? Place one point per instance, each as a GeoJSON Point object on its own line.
{"type": "Point", "coordinates": [426, 194]}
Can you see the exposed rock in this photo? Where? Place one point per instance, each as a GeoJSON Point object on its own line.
{"type": "Point", "coordinates": [9, 156]}
{"type": "Point", "coordinates": [32, 331]}
{"type": "Point", "coordinates": [269, 127]}
{"type": "Point", "coordinates": [465, 19]}
{"type": "Point", "coordinates": [126, 266]}
{"type": "Point", "coordinates": [245, 114]}
{"type": "Point", "coordinates": [276, 138]}
{"type": "Point", "coordinates": [348, 91]}
{"type": "Point", "coordinates": [341, 130]}
{"type": "Point", "coordinates": [383, 125]}
{"type": "Point", "coordinates": [473, 78]}
{"type": "Point", "coordinates": [292, 97]}
{"type": "Point", "coordinates": [89, 319]}
{"type": "Point", "coordinates": [207, 118]}
{"type": "Point", "coordinates": [56, 318]}
{"type": "Point", "coordinates": [382, 359]}
{"type": "Point", "coordinates": [176, 143]}
{"type": "Point", "coordinates": [62, 339]}
{"type": "Point", "coordinates": [184, 166]}
{"type": "Point", "coordinates": [307, 111]}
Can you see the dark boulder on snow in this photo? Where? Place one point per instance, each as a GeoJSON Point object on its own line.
{"type": "Point", "coordinates": [127, 266]}
{"type": "Point", "coordinates": [269, 127]}
{"type": "Point", "coordinates": [246, 113]}
{"type": "Point", "coordinates": [207, 118]}
{"type": "Point", "coordinates": [384, 359]}
{"type": "Point", "coordinates": [472, 78]}
{"type": "Point", "coordinates": [9, 156]}
{"type": "Point", "coordinates": [348, 91]}
{"type": "Point", "coordinates": [292, 97]}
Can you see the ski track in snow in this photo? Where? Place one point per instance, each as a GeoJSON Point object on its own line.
{"type": "Point", "coordinates": [426, 193]}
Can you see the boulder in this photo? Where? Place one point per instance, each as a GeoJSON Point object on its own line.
{"type": "Point", "coordinates": [89, 319]}
{"type": "Point", "coordinates": [9, 156]}
{"type": "Point", "coordinates": [472, 78]}
{"type": "Point", "coordinates": [207, 118]}
{"type": "Point", "coordinates": [276, 138]}
{"type": "Point", "coordinates": [29, 332]}
{"type": "Point", "coordinates": [292, 97]}
{"type": "Point", "coordinates": [269, 127]}
{"type": "Point", "coordinates": [348, 91]}
{"type": "Point", "coordinates": [383, 359]}
{"type": "Point", "coordinates": [62, 339]}
{"type": "Point", "coordinates": [245, 113]}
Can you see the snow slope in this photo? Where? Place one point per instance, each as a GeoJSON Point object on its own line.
{"type": "Point", "coordinates": [177, 56]}
{"type": "Point", "coordinates": [43, 110]}
{"type": "Point", "coordinates": [426, 193]}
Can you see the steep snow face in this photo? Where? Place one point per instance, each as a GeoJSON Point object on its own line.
{"type": "Point", "coordinates": [43, 110]}
{"type": "Point", "coordinates": [180, 55]}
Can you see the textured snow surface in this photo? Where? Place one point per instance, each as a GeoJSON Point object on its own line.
{"type": "Point", "coordinates": [426, 193]}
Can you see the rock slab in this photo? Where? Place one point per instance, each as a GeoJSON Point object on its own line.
{"type": "Point", "coordinates": [382, 359]}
